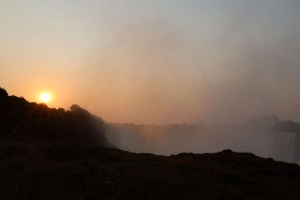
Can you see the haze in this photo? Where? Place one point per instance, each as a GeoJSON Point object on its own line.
{"type": "Point", "coordinates": [155, 62]}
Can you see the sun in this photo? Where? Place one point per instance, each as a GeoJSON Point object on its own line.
{"type": "Point", "coordinates": [45, 97]}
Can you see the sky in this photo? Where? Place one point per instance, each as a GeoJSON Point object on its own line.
{"type": "Point", "coordinates": [155, 62]}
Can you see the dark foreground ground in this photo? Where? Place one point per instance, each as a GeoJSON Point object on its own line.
{"type": "Point", "coordinates": [39, 169]}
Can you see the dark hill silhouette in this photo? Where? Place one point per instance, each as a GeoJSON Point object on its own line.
{"type": "Point", "coordinates": [34, 169]}
{"type": "Point", "coordinates": [57, 156]}
{"type": "Point", "coordinates": [40, 121]}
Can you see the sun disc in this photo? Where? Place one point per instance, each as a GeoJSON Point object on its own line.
{"type": "Point", "coordinates": [45, 97]}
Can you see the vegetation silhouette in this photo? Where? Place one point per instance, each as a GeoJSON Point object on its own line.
{"type": "Point", "coordinates": [41, 122]}
{"type": "Point", "coordinates": [58, 162]}
{"type": "Point", "coordinates": [271, 123]}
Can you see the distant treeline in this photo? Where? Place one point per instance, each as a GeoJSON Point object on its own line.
{"type": "Point", "coordinates": [269, 123]}
{"type": "Point", "coordinates": [272, 123]}
{"type": "Point", "coordinates": [40, 121]}
{"type": "Point", "coordinates": [77, 124]}
{"type": "Point", "coordinates": [175, 138]}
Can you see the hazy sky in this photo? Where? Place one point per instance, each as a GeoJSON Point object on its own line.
{"type": "Point", "coordinates": [155, 61]}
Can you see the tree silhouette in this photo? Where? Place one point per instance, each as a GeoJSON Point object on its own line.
{"type": "Point", "coordinates": [3, 93]}
{"type": "Point", "coordinates": [40, 121]}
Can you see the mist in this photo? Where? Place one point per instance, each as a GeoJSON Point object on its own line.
{"type": "Point", "coordinates": [247, 68]}
{"type": "Point", "coordinates": [269, 137]}
{"type": "Point", "coordinates": [164, 77]}
{"type": "Point", "coordinates": [154, 73]}
{"type": "Point", "coordinates": [156, 62]}
{"type": "Point", "coordinates": [195, 62]}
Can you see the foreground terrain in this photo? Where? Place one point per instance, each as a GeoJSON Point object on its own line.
{"type": "Point", "coordinates": [41, 169]}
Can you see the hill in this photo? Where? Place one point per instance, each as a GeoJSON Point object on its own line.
{"type": "Point", "coordinates": [63, 154]}
{"type": "Point", "coordinates": [41, 169]}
